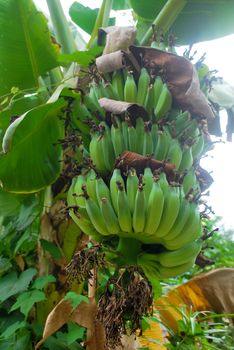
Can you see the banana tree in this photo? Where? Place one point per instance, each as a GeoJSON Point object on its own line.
{"type": "Point", "coordinates": [99, 168]}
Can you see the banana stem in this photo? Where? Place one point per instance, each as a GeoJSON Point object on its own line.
{"type": "Point", "coordinates": [129, 249]}
{"type": "Point", "coordinates": [165, 18]}
{"type": "Point", "coordinates": [101, 21]}
{"type": "Point", "coordinates": [61, 27]}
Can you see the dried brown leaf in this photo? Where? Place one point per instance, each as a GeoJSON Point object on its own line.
{"type": "Point", "coordinates": [181, 77]}
{"type": "Point", "coordinates": [120, 107]}
{"type": "Point", "coordinates": [117, 38]}
{"type": "Point", "coordinates": [63, 312]}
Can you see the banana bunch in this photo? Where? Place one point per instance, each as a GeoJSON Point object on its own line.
{"type": "Point", "coordinates": [108, 143]}
{"type": "Point", "coordinates": [169, 263]}
{"type": "Point", "coordinates": [146, 208]}
{"type": "Point", "coordinates": [151, 93]}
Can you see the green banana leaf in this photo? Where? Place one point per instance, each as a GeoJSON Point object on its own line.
{"type": "Point", "coordinates": [33, 156]}
{"type": "Point", "coordinates": [200, 20]}
{"type": "Point", "coordinates": [85, 17]}
{"type": "Point", "coordinates": [26, 48]}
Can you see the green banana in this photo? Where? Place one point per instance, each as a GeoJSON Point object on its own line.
{"type": "Point", "coordinates": [118, 84]}
{"type": "Point", "coordinates": [123, 210]}
{"type": "Point", "coordinates": [95, 215]}
{"type": "Point", "coordinates": [132, 136]}
{"type": "Point", "coordinates": [138, 218]}
{"type": "Point", "coordinates": [107, 149]}
{"type": "Point", "coordinates": [149, 101]}
{"type": "Point", "coordinates": [130, 89]}
{"type": "Point", "coordinates": [163, 183]}
{"type": "Point", "coordinates": [102, 190]}
{"type": "Point", "coordinates": [147, 140]}
{"type": "Point", "coordinates": [187, 159]}
{"type": "Point", "coordinates": [80, 180]}
{"type": "Point", "coordinates": [96, 152]}
{"type": "Point", "coordinates": [143, 84]}
{"type": "Point", "coordinates": [190, 182]}
{"type": "Point", "coordinates": [154, 134]}
{"type": "Point", "coordinates": [125, 134]}
{"type": "Point", "coordinates": [148, 180]}
{"type": "Point", "coordinates": [115, 178]}
{"type": "Point", "coordinates": [91, 184]}
{"type": "Point", "coordinates": [158, 85]}
{"type": "Point", "coordinates": [84, 224]}
{"type": "Point", "coordinates": [117, 138]}
{"type": "Point", "coordinates": [163, 145]}
{"type": "Point", "coordinates": [168, 272]}
{"type": "Point", "coordinates": [154, 209]}
{"type": "Point", "coordinates": [198, 146]}
{"type": "Point", "coordinates": [109, 216]}
{"type": "Point", "coordinates": [139, 133]}
{"type": "Point", "coordinates": [170, 211]}
{"type": "Point", "coordinates": [132, 186]}
{"type": "Point", "coordinates": [181, 220]}
{"type": "Point", "coordinates": [190, 232]}
{"type": "Point", "coordinates": [174, 154]}
{"type": "Point", "coordinates": [164, 103]}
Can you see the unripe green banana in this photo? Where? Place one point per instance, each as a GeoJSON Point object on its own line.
{"type": "Point", "coordinates": [190, 182]}
{"type": "Point", "coordinates": [149, 101]}
{"type": "Point", "coordinates": [139, 132]}
{"type": "Point", "coordinates": [117, 138]}
{"type": "Point", "coordinates": [170, 211]}
{"type": "Point", "coordinates": [123, 210]}
{"type": "Point", "coordinates": [182, 121]}
{"type": "Point", "coordinates": [116, 177]}
{"type": "Point", "coordinates": [110, 91]}
{"type": "Point", "coordinates": [91, 184]}
{"type": "Point", "coordinates": [168, 272]}
{"type": "Point", "coordinates": [174, 154]}
{"type": "Point", "coordinates": [187, 159]}
{"type": "Point", "coordinates": [96, 153]}
{"type": "Point", "coordinates": [158, 85]}
{"type": "Point", "coordinates": [132, 136]}
{"type": "Point", "coordinates": [181, 220]}
{"type": "Point", "coordinates": [95, 215]}
{"type": "Point", "coordinates": [132, 186]}
{"type": "Point", "coordinates": [163, 183]}
{"type": "Point", "coordinates": [130, 89]}
{"type": "Point", "coordinates": [164, 103]}
{"type": "Point", "coordinates": [180, 256]}
{"type": "Point", "coordinates": [138, 219]}
{"type": "Point", "coordinates": [148, 180]}
{"type": "Point", "coordinates": [93, 105]}
{"type": "Point", "coordinates": [154, 134]}
{"type": "Point", "coordinates": [107, 149]}
{"type": "Point", "coordinates": [163, 145]}
{"type": "Point", "coordinates": [102, 190]}
{"type": "Point", "coordinates": [109, 216]}
{"type": "Point", "coordinates": [198, 146]}
{"type": "Point", "coordinates": [125, 134]}
{"type": "Point", "coordinates": [80, 180]}
{"type": "Point", "coordinates": [190, 232]}
{"type": "Point", "coordinates": [147, 140]}
{"type": "Point", "coordinates": [84, 224]}
{"type": "Point", "coordinates": [143, 84]}
{"type": "Point", "coordinates": [154, 209]}
{"type": "Point", "coordinates": [118, 84]}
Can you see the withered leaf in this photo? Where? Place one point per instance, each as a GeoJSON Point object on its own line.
{"type": "Point", "coordinates": [117, 38]}
{"type": "Point", "coordinates": [120, 107]}
{"type": "Point", "coordinates": [180, 76]}
{"type": "Point", "coordinates": [117, 60]}
{"type": "Point", "coordinates": [134, 160]}
{"type": "Point", "coordinates": [63, 312]}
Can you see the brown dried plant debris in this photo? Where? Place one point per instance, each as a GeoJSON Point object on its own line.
{"type": "Point", "coordinates": [180, 76]}
{"type": "Point", "coordinates": [134, 160]}
{"type": "Point", "coordinates": [127, 298]}
{"type": "Point", "coordinates": [81, 266]}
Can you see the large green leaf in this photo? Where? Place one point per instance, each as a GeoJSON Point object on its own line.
{"type": "Point", "coordinates": [26, 48]}
{"type": "Point", "coordinates": [85, 17]}
{"type": "Point", "coordinates": [33, 158]}
{"type": "Point", "coordinates": [200, 19]}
